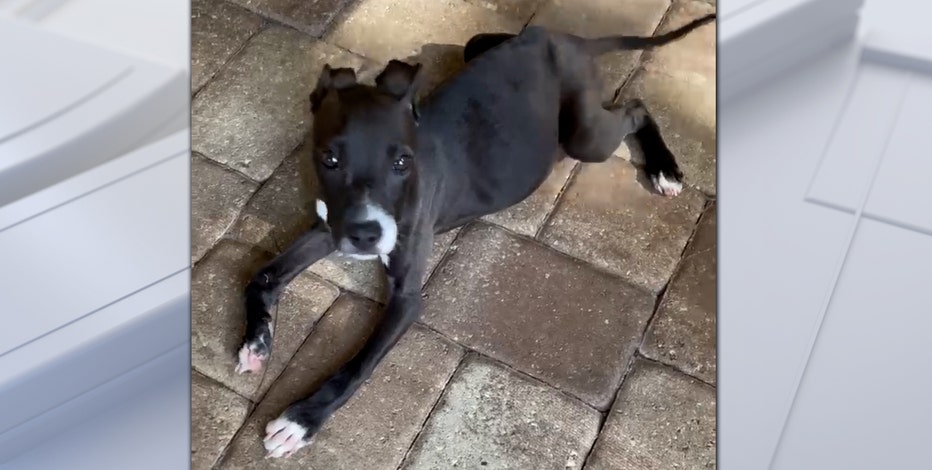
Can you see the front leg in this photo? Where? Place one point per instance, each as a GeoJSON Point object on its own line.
{"type": "Point", "coordinates": [266, 286]}
{"type": "Point", "coordinates": [304, 418]}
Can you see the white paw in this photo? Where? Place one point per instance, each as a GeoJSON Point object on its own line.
{"type": "Point", "coordinates": [667, 186]}
{"type": "Point", "coordinates": [283, 437]}
{"type": "Point", "coordinates": [322, 210]}
{"type": "Point", "coordinates": [249, 361]}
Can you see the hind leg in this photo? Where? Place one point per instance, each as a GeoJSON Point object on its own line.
{"type": "Point", "coordinates": [590, 133]}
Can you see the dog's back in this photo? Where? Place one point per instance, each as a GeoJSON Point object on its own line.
{"type": "Point", "coordinates": [504, 118]}
{"type": "Point", "coordinates": [498, 118]}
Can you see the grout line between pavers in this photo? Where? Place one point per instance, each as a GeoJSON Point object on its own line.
{"type": "Point", "coordinates": [661, 295]}
{"type": "Point", "coordinates": [226, 167]}
{"type": "Point", "coordinates": [259, 400]}
{"type": "Point", "coordinates": [217, 382]}
{"type": "Point", "coordinates": [262, 27]}
{"type": "Point", "coordinates": [310, 332]}
{"type": "Point", "coordinates": [630, 366]}
{"type": "Point", "coordinates": [537, 8]}
{"type": "Point", "coordinates": [700, 252]}
{"type": "Point", "coordinates": [639, 64]}
{"type": "Point", "coordinates": [236, 217]}
{"type": "Point", "coordinates": [250, 408]}
{"type": "Point", "coordinates": [537, 380]}
{"type": "Point", "coordinates": [226, 447]}
{"type": "Point", "coordinates": [229, 443]}
{"type": "Point", "coordinates": [233, 241]}
{"type": "Point", "coordinates": [213, 77]}
{"type": "Point", "coordinates": [564, 254]}
{"type": "Point", "coordinates": [285, 20]}
{"type": "Point", "coordinates": [558, 201]}
{"type": "Point", "coordinates": [503, 364]}
{"type": "Point", "coordinates": [430, 413]}
{"type": "Point", "coordinates": [675, 369]}
{"type": "Point", "coordinates": [634, 358]}
{"type": "Point", "coordinates": [608, 411]}
{"type": "Point", "coordinates": [259, 188]}
{"type": "Point", "coordinates": [276, 18]}
{"type": "Point", "coordinates": [267, 23]}
{"type": "Point", "coordinates": [447, 253]}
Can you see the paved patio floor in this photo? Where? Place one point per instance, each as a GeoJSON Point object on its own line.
{"type": "Point", "coordinates": [575, 330]}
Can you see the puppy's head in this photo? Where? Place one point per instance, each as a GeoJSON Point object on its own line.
{"type": "Point", "coordinates": [364, 153]}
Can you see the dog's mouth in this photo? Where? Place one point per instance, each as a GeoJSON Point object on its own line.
{"type": "Point", "coordinates": [346, 248]}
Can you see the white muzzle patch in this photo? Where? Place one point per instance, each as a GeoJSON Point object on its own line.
{"type": "Point", "coordinates": [387, 225]}
{"type": "Point", "coordinates": [389, 228]}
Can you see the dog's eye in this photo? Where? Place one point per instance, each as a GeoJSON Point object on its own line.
{"type": "Point", "coordinates": [330, 160]}
{"type": "Point", "coordinates": [401, 163]}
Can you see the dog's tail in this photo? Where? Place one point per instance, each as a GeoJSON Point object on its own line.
{"type": "Point", "coordinates": [614, 43]}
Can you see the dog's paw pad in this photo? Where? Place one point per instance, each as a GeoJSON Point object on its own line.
{"type": "Point", "coordinates": [667, 185]}
{"type": "Point", "coordinates": [249, 360]}
{"type": "Point", "coordinates": [284, 437]}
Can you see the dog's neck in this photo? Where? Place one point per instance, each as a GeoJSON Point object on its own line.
{"type": "Point", "coordinates": [438, 181]}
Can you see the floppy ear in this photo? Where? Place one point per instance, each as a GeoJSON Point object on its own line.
{"type": "Point", "coordinates": [331, 79]}
{"type": "Point", "coordinates": [399, 79]}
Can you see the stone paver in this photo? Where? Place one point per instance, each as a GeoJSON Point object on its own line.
{"type": "Point", "coordinates": [216, 414]}
{"type": "Point", "coordinates": [431, 32]}
{"type": "Point", "coordinates": [528, 216]}
{"type": "Point", "coordinates": [309, 16]}
{"type": "Point", "coordinates": [377, 426]}
{"type": "Point", "coordinates": [520, 10]}
{"type": "Point", "coordinates": [491, 417]}
{"type": "Point", "coordinates": [256, 111]}
{"type": "Point", "coordinates": [218, 30]}
{"type": "Point", "coordinates": [218, 316]}
{"type": "Point", "coordinates": [281, 210]}
{"type": "Point", "coordinates": [608, 217]}
{"type": "Point", "coordinates": [217, 196]}
{"type": "Point", "coordinates": [678, 87]}
{"type": "Point", "coordinates": [539, 311]}
{"type": "Point", "coordinates": [597, 18]}
{"type": "Point", "coordinates": [385, 29]}
{"type": "Point", "coordinates": [683, 331]}
{"type": "Point", "coordinates": [662, 420]}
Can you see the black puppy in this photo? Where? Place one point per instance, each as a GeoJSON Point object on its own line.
{"type": "Point", "coordinates": [393, 174]}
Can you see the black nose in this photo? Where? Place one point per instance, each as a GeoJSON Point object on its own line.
{"type": "Point", "coordinates": [364, 235]}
